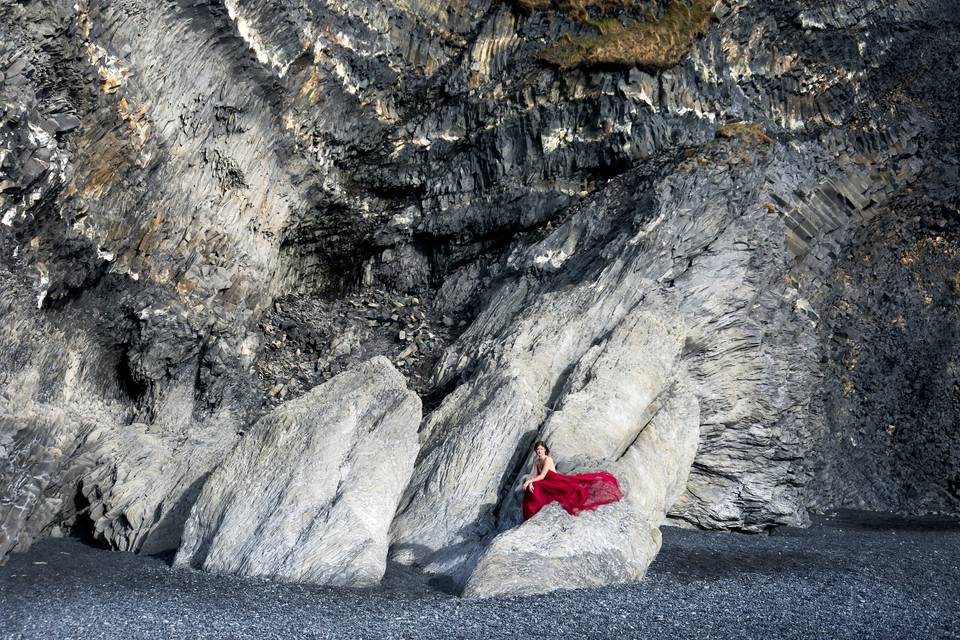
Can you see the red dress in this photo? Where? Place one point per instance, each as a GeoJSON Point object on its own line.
{"type": "Point", "coordinates": [575, 493]}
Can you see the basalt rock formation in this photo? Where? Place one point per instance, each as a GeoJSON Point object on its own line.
{"type": "Point", "coordinates": [710, 246]}
{"type": "Point", "coordinates": [308, 494]}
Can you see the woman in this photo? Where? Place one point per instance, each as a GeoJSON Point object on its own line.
{"type": "Point", "coordinates": [575, 493]}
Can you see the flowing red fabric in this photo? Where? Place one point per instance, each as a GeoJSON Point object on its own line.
{"type": "Point", "coordinates": [576, 493]}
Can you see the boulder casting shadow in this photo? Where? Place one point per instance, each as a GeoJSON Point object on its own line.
{"type": "Point", "coordinates": [309, 492]}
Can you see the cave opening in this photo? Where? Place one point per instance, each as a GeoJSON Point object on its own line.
{"type": "Point", "coordinates": [132, 388]}
{"type": "Point", "coordinates": [81, 525]}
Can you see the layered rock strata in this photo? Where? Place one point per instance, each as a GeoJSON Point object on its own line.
{"type": "Point", "coordinates": [759, 231]}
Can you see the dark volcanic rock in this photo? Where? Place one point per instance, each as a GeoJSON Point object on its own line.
{"type": "Point", "coordinates": [893, 383]}
{"type": "Point", "coordinates": [209, 208]}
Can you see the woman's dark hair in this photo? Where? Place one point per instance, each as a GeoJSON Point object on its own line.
{"type": "Point", "coordinates": [541, 443]}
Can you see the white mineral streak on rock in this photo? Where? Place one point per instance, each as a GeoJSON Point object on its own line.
{"type": "Point", "coordinates": [557, 138]}
{"type": "Point", "coordinates": [554, 258]}
{"type": "Point", "coordinates": [648, 229]}
{"type": "Point", "coordinates": [328, 60]}
{"type": "Point", "coordinates": [310, 491]}
{"type": "Point", "coordinates": [44, 284]}
{"type": "Point", "coordinates": [807, 21]}
{"type": "Point", "coordinates": [256, 42]}
{"type": "Point", "coordinates": [111, 70]}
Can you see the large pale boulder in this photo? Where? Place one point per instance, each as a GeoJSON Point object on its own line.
{"type": "Point", "coordinates": [308, 494]}
{"type": "Point", "coordinates": [617, 542]}
{"type": "Point", "coordinates": [629, 412]}
{"type": "Point", "coordinates": [475, 439]}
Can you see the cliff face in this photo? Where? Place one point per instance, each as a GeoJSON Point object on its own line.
{"type": "Point", "coordinates": [735, 222]}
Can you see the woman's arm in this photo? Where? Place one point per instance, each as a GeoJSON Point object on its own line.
{"type": "Point", "coordinates": [529, 478]}
{"type": "Point", "coordinates": [532, 477]}
{"type": "Point", "coordinates": [547, 466]}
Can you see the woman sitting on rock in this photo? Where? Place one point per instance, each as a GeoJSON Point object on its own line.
{"type": "Point", "coordinates": [575, 493]}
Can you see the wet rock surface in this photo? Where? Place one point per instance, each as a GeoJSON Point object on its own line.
{"type": "Point", "coordinates": [853, 576]}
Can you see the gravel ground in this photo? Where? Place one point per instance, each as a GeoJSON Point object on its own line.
{"type": "Point", "coordinates": [851, 575]}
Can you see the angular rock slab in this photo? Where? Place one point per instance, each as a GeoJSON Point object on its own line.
{"type": "Point", "coordinates": [617, 542]}
{"type": "Point", "coordinates": [309, 493]}
{"type": "Point", "coordinates": [140, 482]}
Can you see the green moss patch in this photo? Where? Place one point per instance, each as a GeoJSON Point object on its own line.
{"type": "Point", "coordinates": [746, 132]}
{"type": "Point", "coordinates": [649, 42]}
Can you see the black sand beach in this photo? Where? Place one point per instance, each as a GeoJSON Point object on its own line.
{"type": "Point", "coordinates": [851, 575]}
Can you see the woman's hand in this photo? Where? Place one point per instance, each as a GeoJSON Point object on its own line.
{"type": "Point", "coordinates": [528, 485]}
